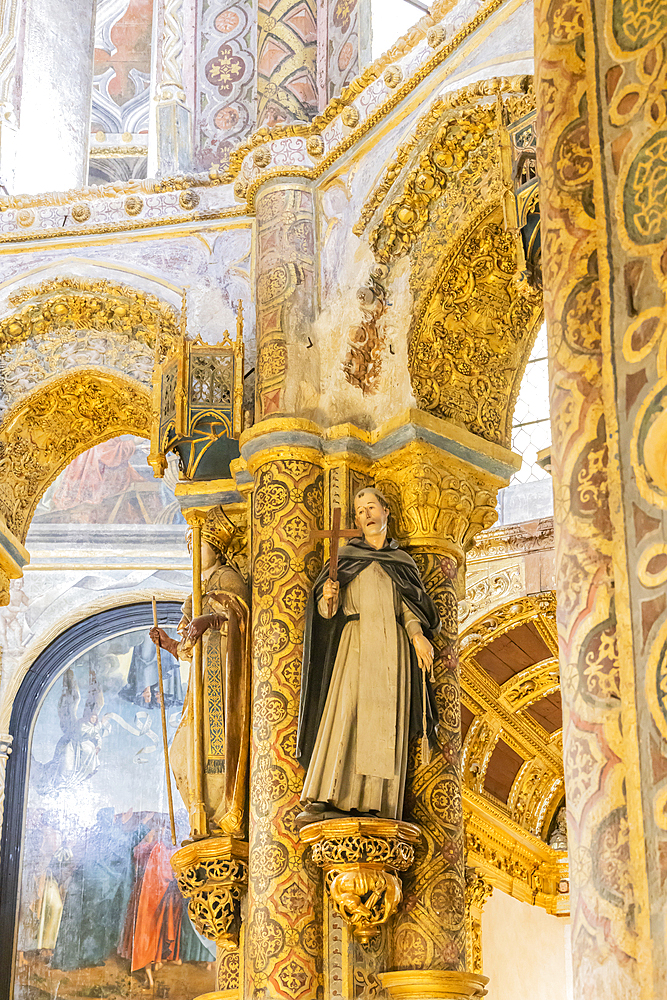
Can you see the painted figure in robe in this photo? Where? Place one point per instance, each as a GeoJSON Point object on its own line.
{"type": "Point", "coordinates": [76, 756]}
{"type": "Point", "coordinates": [365, 646]}
{"type": "Point", "coordinates": [98, 891]}
{"type": "Point", "coordinates": [157, 927]}
{"type": "Point", "coordinates": [225, 627]}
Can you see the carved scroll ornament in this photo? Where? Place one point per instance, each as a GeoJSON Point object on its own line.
{"type": "Point", "coordinates": [212, 875]}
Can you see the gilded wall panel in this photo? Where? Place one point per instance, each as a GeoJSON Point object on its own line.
{"type": "Point", "coordinates": [284, 932]}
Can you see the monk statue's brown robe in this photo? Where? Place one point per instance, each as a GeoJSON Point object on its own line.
{"type": "Point", "coordinates": [226, 696]}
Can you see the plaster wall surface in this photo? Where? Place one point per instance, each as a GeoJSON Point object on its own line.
{"type": "Point", "coordinates": [525, 951]}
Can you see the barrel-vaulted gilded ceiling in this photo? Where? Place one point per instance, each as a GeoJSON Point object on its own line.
{"type": "Point", "coordinates": [512, 752]}
{"type": "Point", "coordinates": [511, 711]}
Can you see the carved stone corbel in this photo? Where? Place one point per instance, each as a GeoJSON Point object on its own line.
{"type": "Point", "coordinates": [212, 875]}
{"type": "Point", "coordinates": [439, 504]}
{"type": "Point", "coordinates": [361, 858]}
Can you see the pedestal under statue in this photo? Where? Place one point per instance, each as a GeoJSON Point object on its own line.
{"type": "Point", "coordinates": [365, 647]}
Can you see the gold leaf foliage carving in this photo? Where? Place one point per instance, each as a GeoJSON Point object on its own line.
{"type": "Point", "coordinates": [469, 347]}
{"type": "Point", "coordinates": [73, 303]}
{"type": "Point", "coordinates": [436, 135]}
{"type": "Point", "coordinates": [451, 153]}
{"type": "Point", "coordinates": [56, 423]}
{"type": "Point", "coordinates": [434, 504]}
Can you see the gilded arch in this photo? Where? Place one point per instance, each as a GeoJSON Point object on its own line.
{"type": "Point", "coordinates": [70, 322]}
{"type": "Point", "coordinates": [475, 316]}
{"type": "Point", "coordinates": [81, 304]}
{"type": "Point", "coordinates": [474, 332]}
{"type": "Point", "coordinates": [53, 424]}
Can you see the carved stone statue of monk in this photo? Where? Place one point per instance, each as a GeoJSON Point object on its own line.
{"type": "Point", "coordinates": [225, 627]}
{"type": "Point", "coordinates": [365, 645]}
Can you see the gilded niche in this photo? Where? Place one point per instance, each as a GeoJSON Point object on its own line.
{"type": "Point", "coordinates": [56, 423]}
{"type": "Point", "coordinates": [469, 345]}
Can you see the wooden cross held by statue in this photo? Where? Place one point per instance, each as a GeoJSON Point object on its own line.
{"type": "Point", "coordinates": [334, 537]}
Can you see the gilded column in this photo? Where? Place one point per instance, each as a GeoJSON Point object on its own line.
{"type": "Point", "coordinates": [598, 704]}
{"type": "Point", "coordinates": [602, 128]}
{"type": "Point", "coordinates": [285, 293]}
{"type": "Point", "coordinates": [438, 505]}
{"type": "Point", "coordinates": [283, 953]}
{"type": "Point", "coordinates": [286, 61]}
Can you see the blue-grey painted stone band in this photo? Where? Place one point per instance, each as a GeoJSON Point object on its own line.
{"type": "Point", "coordinates": [392, 442]}
{"type": "Point", "coordinates": [208, 499]}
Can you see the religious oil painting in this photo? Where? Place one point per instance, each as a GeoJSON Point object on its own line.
{"type": "Point", "coordinates": [112, 483]}
{"type": "Point", "coordinates": [100, 914]}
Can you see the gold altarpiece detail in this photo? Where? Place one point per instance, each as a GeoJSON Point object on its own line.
{"type": "Point", "coordinates": [361, 858]}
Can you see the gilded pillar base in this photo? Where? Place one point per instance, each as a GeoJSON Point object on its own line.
{"type": "Point", "coordinates": [361, 857]}
{"type": "Point", "coordinates": [212, 875]}
{"type": "Point", "coordinates": [426, 984]}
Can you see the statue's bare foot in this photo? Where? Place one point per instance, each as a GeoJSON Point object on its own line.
{"type": "Point", "coordinates": [149, 977]}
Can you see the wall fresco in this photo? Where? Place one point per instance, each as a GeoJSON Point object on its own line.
{"type": "Point", "coordinates": [100, 914]}
{"type": "Point", "coordinates": [286, 61]}
{"type": "Point", "coordinates": [226, 108]}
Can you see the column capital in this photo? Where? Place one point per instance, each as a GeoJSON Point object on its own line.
{"type": "Point", "coordinates": [439, 502]}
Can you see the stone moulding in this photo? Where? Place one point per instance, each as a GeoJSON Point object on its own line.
{"type": "Point", "coordinates": [361, 858]}
{"type": "Point", "coordinates": [212, 875]}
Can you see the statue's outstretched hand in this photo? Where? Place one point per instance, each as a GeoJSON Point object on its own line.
{"type": "Point", "coordinates": [424, 651]}
{"type": "Point", "coordinates": [164, 641]}
{"type": "Point", "coordinates": [198, 626]}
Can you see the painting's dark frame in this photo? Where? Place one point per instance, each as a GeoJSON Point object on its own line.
{"type": "Point", "coordinates": [38, 679]}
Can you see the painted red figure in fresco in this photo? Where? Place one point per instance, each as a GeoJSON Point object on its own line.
{"type": "Point", "coordinates": [153, 924]}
